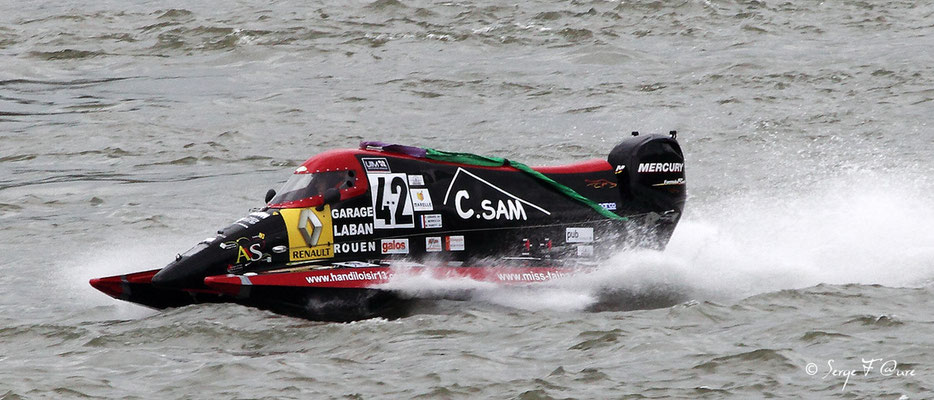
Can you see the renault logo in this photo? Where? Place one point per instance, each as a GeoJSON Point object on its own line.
{"type": "Point", "coordinates": [306, 218]}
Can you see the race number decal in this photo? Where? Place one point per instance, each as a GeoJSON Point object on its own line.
{"type": "Point", "coordinates": [392, 205]}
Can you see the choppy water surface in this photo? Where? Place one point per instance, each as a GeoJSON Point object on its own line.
{"type": "Point", "coordinates": [130, 131]}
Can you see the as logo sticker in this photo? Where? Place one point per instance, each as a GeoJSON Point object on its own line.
{"type": "Point", "coordinates": [392, 204]}
{"type": "Point", "coordinates": [249, 249]}
{"type": "Point", "coordinates": [310, 233]}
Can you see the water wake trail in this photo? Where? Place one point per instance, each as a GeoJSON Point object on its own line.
{"type": "Point", "coordinates": [864, 227]}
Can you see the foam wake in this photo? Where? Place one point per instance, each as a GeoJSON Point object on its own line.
{"type": "Point", "coordinates": [864, 227]}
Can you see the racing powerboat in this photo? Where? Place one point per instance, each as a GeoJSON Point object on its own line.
{"type": "Point", "coordinates": [329, 243]}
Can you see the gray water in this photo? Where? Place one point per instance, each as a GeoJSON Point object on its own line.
{"type": "Point", "coordinates": [128, 132]}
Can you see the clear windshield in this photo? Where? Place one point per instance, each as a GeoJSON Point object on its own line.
{"type": "Point", "coordinates": [303, 186]}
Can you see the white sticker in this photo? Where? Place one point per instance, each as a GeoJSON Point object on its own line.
{"type": "Point", "coordinates": [585, 251]}
{"type": "Point", "coordinates": [421, 200]}
{"type": "Point", "coordinates": [392, 202]}
{"type": "Point", "coordinates": [608, 206]}
{"type": "Point", "coordinates": [375, 164]}
{"type": "Point", "coordinates": [354, 264]}
{"type": "Point", "coordinates": [454, 243]}
{"type": "Point", "coordinates": [578, 235]}
{"type": "Point", "coordinates": [416, 180]}
{"type": "Point", "coordinates": [433, 244]}
{"type": "Point", "coordinates": [431, 221]}
{"type": "Point", "coordinates": [394, 246]}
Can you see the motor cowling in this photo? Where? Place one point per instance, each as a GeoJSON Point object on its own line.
{"type": "Point", "coordinates": [650, 172]}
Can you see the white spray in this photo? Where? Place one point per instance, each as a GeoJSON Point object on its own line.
{"type": "Point", "coordinates": [863, 227]}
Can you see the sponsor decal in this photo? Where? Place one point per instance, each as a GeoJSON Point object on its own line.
{"type": "Point", "coordinates": [608, 206]}
{"type": "Point", "coordinates": [431, 221]}
{"type": "Point", "coordinates": [599, 183]}
{"type": "Point", "coordinates": [532, 276]}
{"type": "Point", "coordinates": [252, 253]}
{"type": "Point", "coordinates": [675, 182]}
{"type": "Point", "coordinates": [356, 212]}
{"type": "Point", "coordinates": [510, 210]}
{"type": "Point", "coordinates": [394, 246]}
{"type": "Point", "coordinates": [310, 233]}
{"type": "Point", "coordinates": [249, 249]}
{"type": "Point", "coordinates": [353, 229]}
{"type": "Point", "coordinates": [585, 251]}
{"type": "Point", "coordinates": [454, 243]}
{"type": "Point", "coordinates": [619, 169]}
{"type": "Point", "coordinates": [421, 200]}
{"type": "Point", "coordinates": [354, 247]}
{"type": "Point", "coordinates": [375, 164]}
{"type": "Point", "coordinates": [527, 245]}
{"type": "Point", "coordinates": [255, 253]}
{"type": "Point", "coordinates": [578, 235]}
{"type": "Point", "coordinates": [311, 253]}
{"type": "Point", "coordinates": [495, 204]}
{"type": "Point", "coordinates": [251, 219]}
{"type": "Point", "coordinates": [433, 244]}
{"type": "Point", "coordinates": [355, 264]}
{"type": "Point", "coordinates": [416, 180]}
{"type": "Point", "coordinates": [661, 167]}
{"type": "Point", "coordinates": [349, 276]}
{"type": "Point", "coordinates": [392, 203]}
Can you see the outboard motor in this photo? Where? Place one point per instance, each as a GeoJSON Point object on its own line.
{"type": "Point", "coordinates": [650, 172]}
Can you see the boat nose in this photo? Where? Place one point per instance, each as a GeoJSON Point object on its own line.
{"type": "Point", "coordinates": [188, 270]}
{"type": "Point", "coordinates": [113, 286]}
{"type": "Point", "coordinates": [250, 239]}
{"type": "Point", "coordinates": [169, 277]}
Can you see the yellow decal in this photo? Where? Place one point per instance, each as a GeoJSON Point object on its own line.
{"type": "Point", "coordinates": [311, 235]}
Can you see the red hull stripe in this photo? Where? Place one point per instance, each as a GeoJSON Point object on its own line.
{"type": "Point", "coordinates": [364, 278]}
{"type": "Point", "coordinates": [118, 286]}
{"type": "Point", "coordinates": [595, 165]}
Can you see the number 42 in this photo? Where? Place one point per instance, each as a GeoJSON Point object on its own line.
{"type": "Point", "coordinates": [392, 206]}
